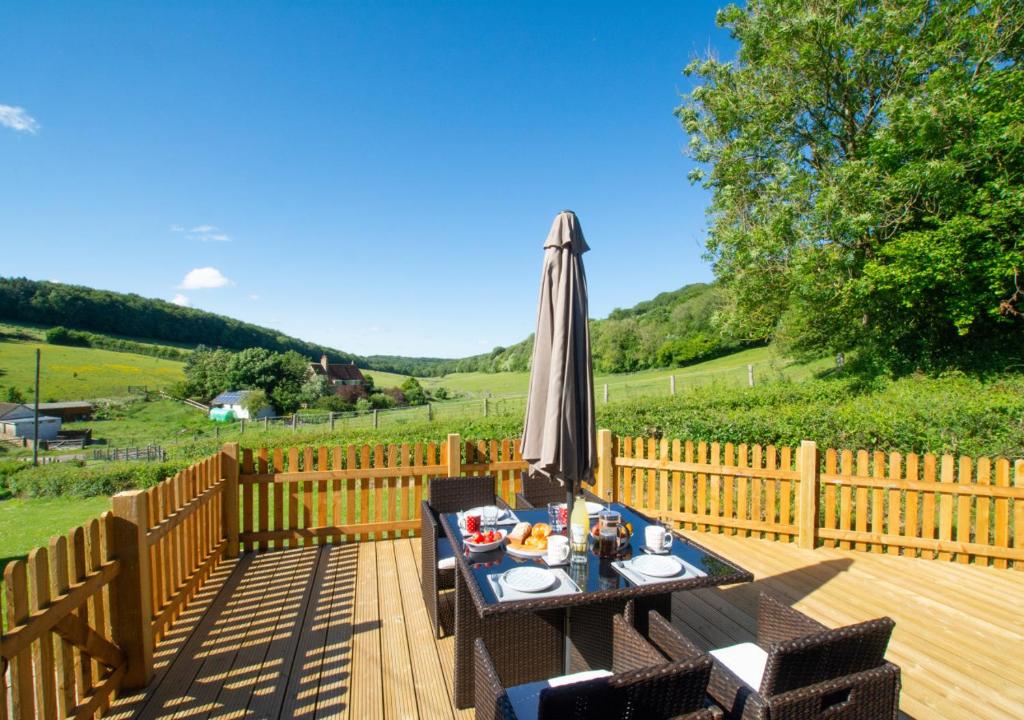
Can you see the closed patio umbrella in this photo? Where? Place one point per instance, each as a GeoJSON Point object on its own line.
{"type": "Point", "coordinates": [559, 434]}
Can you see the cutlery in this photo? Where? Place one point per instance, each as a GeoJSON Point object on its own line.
{"type": "Point", "coordinates": [497, 589]}
{"type": "Point", "coordinates": [630, 574]}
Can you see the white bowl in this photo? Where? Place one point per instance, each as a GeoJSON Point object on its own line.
{"type": "Point", "coordinates": [484, 547]}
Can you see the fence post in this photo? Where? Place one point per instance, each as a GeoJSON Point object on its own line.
{"type": "Point", "coordinates": [376, 422]}
{"type": "Point", "coordinates": [454, 455]}
{"type": "Point", "coordinates": [750, 375]}
{"type": "Point", "coordinates": [672, 384]}
{"type": "Point", "coordinates": [294, 417]}
{"type": "Point", "coordinates": [606, 393]}
{"type": "Point", "coordinates": [430, 412]}
{"type": "Point", "coordinates": [605, 474]}
{"type": "Point", "coordinates": [485, 407]}
{"type": "Point", "coordinates": [132, 629]}
{"type": "Point", "coordinates": [229, 512]}
{"type": "Point", "coordinates": [807, 466]}
{"type": "Point", "coordinates": [331, 416]}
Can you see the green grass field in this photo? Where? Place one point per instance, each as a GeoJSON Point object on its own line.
{"type": "Point", "coordinates": [73, 373]}
{"type": "Point", "coordinates": [26, 523]}
{"type": "Point", "coordinates": [728, 369]}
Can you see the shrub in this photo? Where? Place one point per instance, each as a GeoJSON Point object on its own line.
{"type": "Point", "coordinates": [380, 401]}
{"type": "Point", "coordinates": [334, 403]}
{"type": "Point", "coordinates": [60, 335]}
{"type": "Point", "coordinates": [80, 480]}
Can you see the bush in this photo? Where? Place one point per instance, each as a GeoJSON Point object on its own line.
{"type": "Point", "coordinates": [80, 480]}
{"type": "Point", "coordinates": [60, 335]}
{"type": "Point", "coordinates": [380, 401]}
{"type": "Point", "coordinates": [334, 403]}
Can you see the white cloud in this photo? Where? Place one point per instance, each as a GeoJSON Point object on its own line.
{"type": "Point", "coordinates": [18, 119]}
{"type": "Point", "coordinates": [202, 233]}
{"type": "Point", "coordinates": [204, 278]}
{"type": "Point", "coordinates": [180, 299]}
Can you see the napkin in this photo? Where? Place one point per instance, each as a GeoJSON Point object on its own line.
{"type": "Point", "coordinates": [564, 586]}
{"type": "Point", "coordinates": [622, 567]}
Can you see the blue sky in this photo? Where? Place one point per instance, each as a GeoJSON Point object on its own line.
{"type": "Point", "coordinates": [375, 177]}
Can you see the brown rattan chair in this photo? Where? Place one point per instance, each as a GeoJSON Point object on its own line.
{"type": "Point", "coordinates": [642, 684]}
{"type": "Point", "coordinates": [798, 669]}
{"type": "Point", "coordinates": [538, 491]}
{"type": "Point", "coordinates": [449, 494]}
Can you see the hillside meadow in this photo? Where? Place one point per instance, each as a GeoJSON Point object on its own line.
{"type": "Point", "coordinates": [74, 373]}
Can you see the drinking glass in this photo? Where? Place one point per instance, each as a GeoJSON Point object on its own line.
{"type": "Point", "coordinates": [556, 516]}
{"type": "Point", "coordinates": [490, 516]}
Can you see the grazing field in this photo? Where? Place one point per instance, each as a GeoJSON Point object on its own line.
{"type": "Point", "coordinates": [75, 373]}
{"type": "Point", "coordinates": [26, 523]}
{"type": "Point", "coordinates": [729, 369]}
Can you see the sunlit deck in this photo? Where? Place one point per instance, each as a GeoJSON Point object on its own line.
{"type": "Point", "coordinates": [341, 632]}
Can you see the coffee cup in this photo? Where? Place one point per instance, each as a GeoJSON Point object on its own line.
{"type": "Point", "coordinates": [657, 538]}
{"type": "Point", "coordinates": [558, 549]}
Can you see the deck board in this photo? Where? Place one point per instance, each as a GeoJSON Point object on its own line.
{"type": "Point", "coordinates": [341, 631]}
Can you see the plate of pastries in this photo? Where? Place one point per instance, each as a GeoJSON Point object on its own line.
{"type": "Point", "coordinates": [528, 540]}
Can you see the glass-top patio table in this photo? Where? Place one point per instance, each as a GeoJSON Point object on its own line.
{"type": "Point", "coordinates": [526, 637]}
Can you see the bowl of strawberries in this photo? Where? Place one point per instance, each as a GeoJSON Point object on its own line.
{"type": "Point", "coordinates": [484, 541]}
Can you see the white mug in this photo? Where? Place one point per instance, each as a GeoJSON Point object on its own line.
{"type": "Point", "coordinates": [558, 549]}
{"type": "Point", "coordinates": [657, 538]}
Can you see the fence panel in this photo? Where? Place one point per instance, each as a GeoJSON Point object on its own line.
{"type": "Point", "coordinates": [60, 657]}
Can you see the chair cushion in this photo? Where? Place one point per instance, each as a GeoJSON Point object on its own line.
{"type": "Point", "coordinates": [526, 698]}
{"type": "Point", "coordinates": [445, 554]}
{"type": "Point", "coordinates": [745, 660]}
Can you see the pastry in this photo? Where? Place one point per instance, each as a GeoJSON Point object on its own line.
{"type": "Point", "coordinates": [520, 532]}
{"type": "Point", "coordinates": [541, 530]}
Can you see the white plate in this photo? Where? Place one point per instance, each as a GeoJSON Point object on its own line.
{"type": "Point", "coordinates": [524, 552]}
{"type": "Point", "coordinates": [529, 579]}
{"type": "Point", "coordinates": [661, 566]}
{"type": "Point", "coordinates": [501, 515]}
{"type": "Point", "coordinates": [593, 508]}
{"type": "Point", "coordinates": [484, 547]}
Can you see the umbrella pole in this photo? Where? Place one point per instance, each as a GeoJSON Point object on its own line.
{"type": "Point", "coordinates": [569, 499]}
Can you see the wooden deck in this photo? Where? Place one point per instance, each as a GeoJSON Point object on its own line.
{"type": "Point", "coordinates": [341, 632]}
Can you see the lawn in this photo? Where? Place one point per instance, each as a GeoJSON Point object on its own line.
{"type": "Point", "coordinates": [74, 373]}
{"type": "Point", "coordinates": [26, 523]}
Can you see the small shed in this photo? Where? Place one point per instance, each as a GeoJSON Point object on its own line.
{"type": "Point", "coordinates": [68, 411]}
{"type": "Point", "coordinates": [24, 427]}
{"type": "Point", "coordinates": [230, 405]}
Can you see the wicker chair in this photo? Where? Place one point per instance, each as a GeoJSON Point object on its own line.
{"type": "Point", "coordinates": [642, 684]}
{"type": "Point", "coordinates": [449, 494]}
{"type": "Point", "coordinates": [798, 669]}
{"type": "Point", "coordinates": [538, 491]}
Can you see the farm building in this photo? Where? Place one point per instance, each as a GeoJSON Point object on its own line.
{"type": "Point", "coordinates": [24, 427]}
{"type": "Point", "coordinates": [337, 374]}
{"type": "Point", "coordinates": [68, 411]}
{"type": "Point", "coordinates": [230, 405]}
{"type": "Point", "coordinates": [13, 411]}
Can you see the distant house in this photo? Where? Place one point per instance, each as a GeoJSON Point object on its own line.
{"type": "Point", "coordinates": [230, 405]}
{"type": "Point", "coordinates": [68, 411]}
{"type": "Point", "coordinates": [13, 411]}
{"type": "Point", "coordinates": [337, 374]}
{"type": "Point", "coordinates": [18, 421]}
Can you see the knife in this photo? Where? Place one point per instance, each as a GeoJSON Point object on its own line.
{"type": "Point", "coordinates": [497, 587]}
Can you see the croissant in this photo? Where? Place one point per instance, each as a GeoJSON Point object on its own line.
{"type": "Point", "coordinates": [520, 532]}
{"type": "Point", "coordinates": [541, 530]}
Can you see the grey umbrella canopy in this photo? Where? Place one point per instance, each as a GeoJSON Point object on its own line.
{"type": "Point", "coordinates": [559, 434]}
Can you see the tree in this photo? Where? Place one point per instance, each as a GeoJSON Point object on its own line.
{"type": "Point", "coordinates": [865, 161]}
{"type": "Point", "coordinates": [14, 395]}
{"type": "Point", "coordinates": [413, 392]}
{"type": "Point", "coordinates": [255, 401]}
{"type": "Point", "coordinates": [315, 388]}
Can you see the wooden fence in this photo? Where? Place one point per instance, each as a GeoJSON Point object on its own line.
{"type": "Point", "coordinates": [84, 613]}
{"type": "Point", "coordinates": [334, 494]}
{"type": "Point", "coordinates": [962, 509]}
